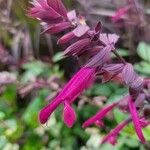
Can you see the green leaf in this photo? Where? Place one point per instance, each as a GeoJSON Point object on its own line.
{"type": "Point", "coordinates": [117, 95]}
{"type": "Point", "coordinates": [99, 89]}
{"type": "Point", "coordinates": [132, 142]}
{"type": "Point", "coordinates": [31, 114]}
{"type": "Point", "coordinates": [119, 116]}
{"type": "Point", "coordinates": [58, 56]}
{"type": "Point", "coordinates": [143, 67]}
{"type": "Point", "coordinates": [33, 142]}
{"type": "Point", "coordinates": [3, 141]}
{"type": "Point", "coordinates": [122, 52]}
{"type": "Point", "coordinates": [146, 132]}
{"type": "Point", "coordinates": [143, 51]}
{"type": "Point", "coordinates": [33, 69]}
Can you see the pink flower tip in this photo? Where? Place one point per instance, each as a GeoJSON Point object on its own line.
{"type": "Point", "coordinates": [43, 117]}
{"type": "Point", "coordinates": [136, 120]}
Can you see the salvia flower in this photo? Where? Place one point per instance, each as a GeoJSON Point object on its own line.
{"type": "Point", "coordinates": [120, 13]}
{"type": "Point", "coordinates": [49, 11]}
{"type": "Point", "coordinates": [90, 39]}
{"type": "Point", "coordinates": [112, 136]}
{"type": "Point", "coordinates": [99, 116]}
{"type": "Point", "coordinates": [79, 82]}
{"type": "Point", "coordinates": [125, 104]}
{"type": "Point", "coordinates": [96, 48]}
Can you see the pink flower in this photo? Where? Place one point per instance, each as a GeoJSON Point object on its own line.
{"type": "Point", "coordinates": [79, 31]}
{"type": "Point", "coordinates": [136, 120]}
{"type": "Point", "coordinates": [77, 46]}
{"type": "Point", "coordinates": [80, 81]}
{"type": "Point", "coordinates": [56, 28]}
{"type": "Point", "coordinates": [66, 38]}
{"type": "Point", "coordinates": [47, 10]}
{"type": "Point", "coordinates": [120, 13]}
{"type": "Point", "coordinates": [112, 136]}
{"type": "Point", "coordinates": [58, 6]}
{"type": "Point", "coordinates": [56, 18]}
{"type": "Point", "coordinates": [99, 116]}
{"type": "Point", "coordinates": [83, 44]}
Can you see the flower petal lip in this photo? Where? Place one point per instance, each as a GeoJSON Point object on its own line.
{"type": "Point", "coordinates": [69, 115]}
{"type": "Point", "coordinates": [100, 115]}
{"type": "Point", "coordinates": [72, 16]}
{"type": "Point", "coordinates": [80, 30]}
{"type": "Point", "coordinates": [108, 39]}
{"type": "Point", "coordinates": [136, 120]}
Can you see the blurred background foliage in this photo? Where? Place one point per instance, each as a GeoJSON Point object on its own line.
{"type": "Point", "coordinates": [33, 69]}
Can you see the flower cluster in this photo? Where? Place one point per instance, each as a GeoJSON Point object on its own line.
{"type": "Point", "coordinates": [97, 47]}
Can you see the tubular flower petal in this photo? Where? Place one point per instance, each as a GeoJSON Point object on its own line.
{"type": "Point", "coordinates": [58, 28]}
{"type": "Point", "coordinates": [100, 115]}
{"type": "Point", "coordinates": [136, 120]}
{"type": "Point", "coordinates": [77, 47]}
{"type": "Point", "coordinates": [120, 13]}
{"type": "Point", "coordinates": [112, 136]}
{"type": "Point", "coordinates": [66, 38]}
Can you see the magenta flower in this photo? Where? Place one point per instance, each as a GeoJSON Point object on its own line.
{"type": "Point", "coordinates": [77, 46]}
{"type": "Point", "coordinates": [56, 28]}
{"type": "Point", "coordinates": [99, 116]}
{"type": "Point", "coordinates": [120, 13]}
{"type": "Point", "coordinates": [112, 136]}
{"type": "Point", "coordinates": [58, 6]}
{"type": "Point", "coordinates": [96, 47]}
{"type": "Point", "coordinates": [136, 120]}
{"type": "Point", "coordinates": [90, 39]}
{"type": "Point", "coordinates": [80, 81]}
{"type": "Point", "coordinates": [49, 11]}
{"type": "Point", "coordinates": [79, 31]}
{"type": "Point", "coordinates": [56, 18]}
{"type": "Point", "coordinates": [139, 123]}
{"type": "Point", "coordinates": [66, 38]}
